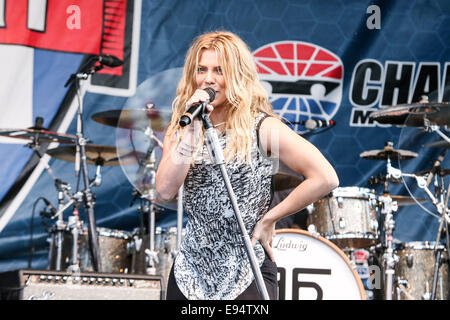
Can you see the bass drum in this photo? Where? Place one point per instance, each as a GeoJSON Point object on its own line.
{"type": "Point", "coordinates": [313, 268]}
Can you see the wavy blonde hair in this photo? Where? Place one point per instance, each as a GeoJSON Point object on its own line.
{"type": "Point", "coordinates": [246, 97]}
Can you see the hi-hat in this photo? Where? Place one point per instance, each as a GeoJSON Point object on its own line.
{"type": "Point", "coordinates": [388, 153]}
{"type": "Point", "coordinates": [38, 135]}
{"type": "Point", "coordinates": [138, 119]}
{"type": "Point", "coordinates": [283, 181]}
{"type": "Point", "coordinates": [97, 155]}
{"type": "Point", "coordinates": [414, 115]}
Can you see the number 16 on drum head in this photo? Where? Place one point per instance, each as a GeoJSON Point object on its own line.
{"type": "Point", "coordinates": [313, 268]}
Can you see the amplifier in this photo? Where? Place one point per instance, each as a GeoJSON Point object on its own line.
{"type": "Point", "coordinates": [59, 285]}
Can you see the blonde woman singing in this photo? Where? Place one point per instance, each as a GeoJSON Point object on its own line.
{"type": "Point", "coordinates": [212, 262]}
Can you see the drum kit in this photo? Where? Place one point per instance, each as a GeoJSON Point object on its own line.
{"type": "Point", "coordinates": [360, 223]}
{"type": "Point", "coordinates": [349, 229]}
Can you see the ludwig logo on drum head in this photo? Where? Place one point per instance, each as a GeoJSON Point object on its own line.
{"type": "Point", "coordinates": [283, 244]}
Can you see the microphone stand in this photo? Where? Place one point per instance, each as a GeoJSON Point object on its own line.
{"type": "Point", "coordinates": [80, 159]}
{"type": "Point", "coordinates": [217, 157]}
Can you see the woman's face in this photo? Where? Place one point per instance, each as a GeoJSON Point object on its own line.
{"type": "Point", "coordinates": [209, 74]}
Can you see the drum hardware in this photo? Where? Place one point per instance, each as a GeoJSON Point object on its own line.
{"type": "Point", "coordinates": [401, 285]}
{"type": "Point", "coordinates": [147, 209]}
{"type": "Point", "coordinates": [440, 201]}
{"type": "Point", "coordinates": [382, 179]}
{"type": "Point", "coordinates": [37, 135]}
{"type": "Point", "coordinates": [389, 258]}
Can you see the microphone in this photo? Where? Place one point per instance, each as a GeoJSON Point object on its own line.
{"type": "Point", "coordinates": [89, 66]}
{"type": "Point", "coordinates": [109, 60]}
{"type": "Point", "coordinates": [312, 124]}
{"type": "Point", "coordinates": [50, 207]}
{"type": "Point", "coordinates": [195, 109]}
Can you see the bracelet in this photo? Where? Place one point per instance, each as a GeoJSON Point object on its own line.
{"type": "Point", "coordinates": [187, 147]}
{"type": "Point", "coordinates": [187, 153]}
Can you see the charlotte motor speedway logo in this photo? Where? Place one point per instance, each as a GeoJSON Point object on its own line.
{"type": "Point", "coordinates": [304, 81]}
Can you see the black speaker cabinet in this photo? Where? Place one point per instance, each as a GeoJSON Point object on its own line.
{"type": "Point", "coordinates": [57, 285]}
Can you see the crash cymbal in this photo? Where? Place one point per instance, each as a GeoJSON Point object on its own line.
{"type": "Point", "coordinates": [138, 119]}
{"type": "Point", "coordinates": [96, 155]}
{"type": "Point", "coordinates": [388, 152]}
{"type": "Point", "coordinates": [413, 115]}
{"type": "Point", "coordinates": [283, 181]}
{"type": "Point", "coordinates": [441, 172]}
{"type": "Point", "coordinates": [438, 144]}
{"type": "Point", "coordinates": [38, 135]}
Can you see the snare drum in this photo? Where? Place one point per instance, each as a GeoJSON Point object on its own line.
{"type": "Point", "coordinates": [311, 267]}
{"type": "Point", "coordinates": [113, 251]}
{"type": "Point", "coordinates": [347, 217]}
{"type": "Point", "coordinates": [414, 272]}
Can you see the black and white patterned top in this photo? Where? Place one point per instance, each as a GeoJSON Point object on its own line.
{"type": "Point", "coordinates": [213, 262]}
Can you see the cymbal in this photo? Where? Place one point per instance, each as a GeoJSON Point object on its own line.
{"type": "Point", "coordinates": [441, 172]}
{"type": "Point", "coordinates": [38, 135]}
{"type": "Point", "coordinates": [95, 154]}
{"type": "Point", "coordinates": [139, 119]}
{"type": "Point", "coordinates": [413, 115]}
{"type": "Point", "coordinates": [388, 152]}
{"type": "Point", "coordinates": [283, 181]}
{"type": "Point", "coordinates": [438, 144]}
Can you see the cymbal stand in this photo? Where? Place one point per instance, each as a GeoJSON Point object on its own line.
{"type": "Point", "coordinates": [442, 208]}
{"type": "Point", "coordinates": [217, 157]}
{"type": "Point", "coordinates": [434, 128]}
{"type": "Point", "coordinates": [63, 192]}
{"type": "Point", "coordinates": [388, 207]}
{"type": "Point", "coordinates": [148, 166]}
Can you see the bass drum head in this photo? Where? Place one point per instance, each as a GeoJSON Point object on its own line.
{"type": "Point", "coordinates": [313, 268]}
